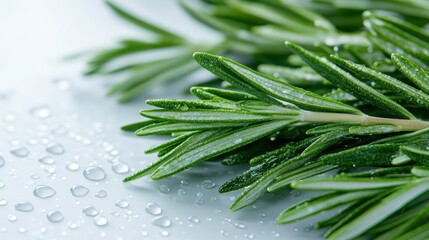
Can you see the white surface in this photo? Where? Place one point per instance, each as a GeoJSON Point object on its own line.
{"type": "Point", "coordinates": [34, 35]}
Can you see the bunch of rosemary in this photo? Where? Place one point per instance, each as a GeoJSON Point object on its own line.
{"type": "Point", "coordinates": [358, 111]}
{"type": "Point", "coordinates": [253, 29]}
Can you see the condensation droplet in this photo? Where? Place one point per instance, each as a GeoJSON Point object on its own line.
{"type": "Point", "coordinates": [56, 149]}
{"type": "Point", "coordinates": [164, 233]}
{"type": "Point", "coordinates": [2, 162]}
{"type": "Point", "coordinates": [55, 216]}
{"type": "Point", "coordinates": [3, 202]}
{"type": "Point", "coordinates": [72, 166]}
{"type": "Point", "coordinates": [24, 207]}
{"type": "Point", "coordinates": [12, 218]}
{"type": "Point", "coordinates": [181, 192]}
{"type": "Point", "coordinates": [20, 152]}
{"type": "Point", "coordinates": [47, 160]}
{"type": "Point", "coordinates": [1, 184]}
{"type": "Point", "coordinates": [153, 208]}
{"type": "Point", "coordinates": [100, 221]}
{"type": "Point", "coordinates": [101, 194]}
{"type": "Point", "coordinates": [164, 189]}
{"type": "Point", "coordinates": [239, 225]}
{"type": "Point", "coordinates": [193, 219]}
{"type": "Point", "coordinates": [94, 173]}
{"type": "Point", "coordinates": [122, 203]}
{"type": "Point", "coordinates": [79, 191]}
{"type": "Point", "coordinates": [40, 112]}
{"type": "Point", "coordinates": [208, 184]}
{"type": "Point", "coordinates": [120, 167]}
{"type": "Point", "coordinates": [72, 225]}
{"type": "Point", "coordinates": [161, 221]}
{"type": "Point", "coordinates": [43, 191]}
{"type": "Point", "coordinates": [90, 211]}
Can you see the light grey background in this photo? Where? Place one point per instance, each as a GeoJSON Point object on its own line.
{"type": "Point", "coordinates": [34, 36]}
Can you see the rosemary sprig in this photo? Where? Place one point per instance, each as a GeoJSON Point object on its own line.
{"type": "Point", "coordinates": [376, 139]}
{"type": "Point", "coordinates": [254, 29]}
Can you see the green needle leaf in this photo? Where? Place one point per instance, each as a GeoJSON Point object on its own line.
{"type": "Point", "coordinates": [385, 208]}
{"type": "Point", "coordinates": [221, 144]}
{"type": "Point", "coordinates": [347, 82]}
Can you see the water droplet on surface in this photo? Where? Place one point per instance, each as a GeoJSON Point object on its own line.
{"type": "Point", "coordinates": [94, 173]}
{"type": "Point", "coordinates": [153, 208]}
{"type": "Point", "coordinates": [43, 191]}
{"type": "Point", "coordinates": [183, 183]}
{"type": "Point", "coordinates": [1, 184]}
{"type": "Point", "coordinates": [12, 218]}
{"type": "Point", "coordinates": [72, 225]}
{"type": "Point", "coordinates": [79, 191]}
{"type": "Point", "coordinates": [120, 167]}
{"type": "Point", "coordinates": [100, 221]}
{"type": "Point", "coordinates": [56, 149]}
{"type": "Point", "coordinates": [239, 225]}
{"type": "Point", "coordinates": [47, 160]}
{"type": "Point", "coordinates": [181, 192]}
{"type": "Point", "coordinates": [41, 112]}
{"type": "Point", "coordinates": [3, 202]}
{"type": "Point", "coordinates": [24, 207]}
{"type": "Point", "coordinates": [161, 221]}
{"type": "Point", "coordinates": [294, 193]}
{"type": "Point", "coordinates": [164, 233]}
{"type": "Point", "coordinates": [164, 189]}
{"type": "Point", "coordinates": [55, 216]}
{"type": "Point", "coordinates": [237, 141]}
{"type": "Point", "coordinates": [193, 219]}
{"type": "Point", "coordinates": [208, 184]}
{"type": "Point", "coordinates": [22, 230]}
{"type": "Point", "coordinates": [20, 152]}
{"type": "Point", "coordinates": [72, 166]}
{"type": "Point", "coordinates": [122, 203]}
{"type": "Point", "coordinates": [2, 162]}
{"type": "Point", "coordinates": [34, 176]}
{"type": "Point", "coordinates": [90, 211]}
{"type": "Point", "coordinates": [101, 194]}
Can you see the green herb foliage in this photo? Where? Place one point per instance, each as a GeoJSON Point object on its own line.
{"type": "Point", "coordinates": [369, 129]}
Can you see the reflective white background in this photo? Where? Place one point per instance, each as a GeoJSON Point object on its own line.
{"type": "Point", "coordinates": [45, 100]}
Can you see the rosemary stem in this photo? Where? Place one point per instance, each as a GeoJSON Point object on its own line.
{"type": "Point", "coordinates": [401, 124]}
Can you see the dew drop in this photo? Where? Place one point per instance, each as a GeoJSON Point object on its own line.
{"type": "Point", "coordinates": [237, 141]}
{"type": "Point", "coordinates": [100, 221]}
{"type": "Point", "coordinates": [294, 193]}
{"type": "Point", "coordinates": [161, 221]}
{"type": "Point", "coordinates": [181, 192]}
{"type": "Point", "coordinates": [2, 162]}
{"type": "Point", "coordinates": [208, 184]}
{"type": "Point", "coordinates": [72, 225]}
{"type": "Point", "coordinates": [153, 208]}
{"type": "Point", "coordinates": [122, 203]}
{"type": "Point", "coordinates": [164, 189]}
{"type": "Point", "coordinates": [24, 207]}
{"type": "Point", "coordinates": [20, 152]}
{"type": "Point", "coordinates": [22, 230]}
{"type": "Point", "coordinates": [41, 112]}
{"type": "Point", "coordinates": [1, 184]}
{"type": "Point", "coordinates": [79, 191]}
{"type": "Point", "coordinates": [3, 202]}
{"type": "Point", "coordinates": [101, 194]}
{"type": "Point", "coordinates": [164, 233]}
{"type": "Point", "coordinates": [56, 149]}
{"type": "Point", "coordinates": [72, 166]}
{"type": "Point", "coordinates": [12, 218]}
{"type": "Point", "coordinates": [55, 216]}
{"type": "Point", "coordinates": [120, 167]}
{"type": "Point", "coordinates": [43, 191]}
{"type": "Point", "coordinates": [193, 219]}
{"type": "Point", "coordinates": [239, 225]}
{"type": "Point", "coordinates": [94, 173]}
{"type": "Point", "coordinates": [47, 160]}
{"type": "Point", "coordinates": [183, 183]}
{"type": "Point", "coordinates": [90, 211]}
